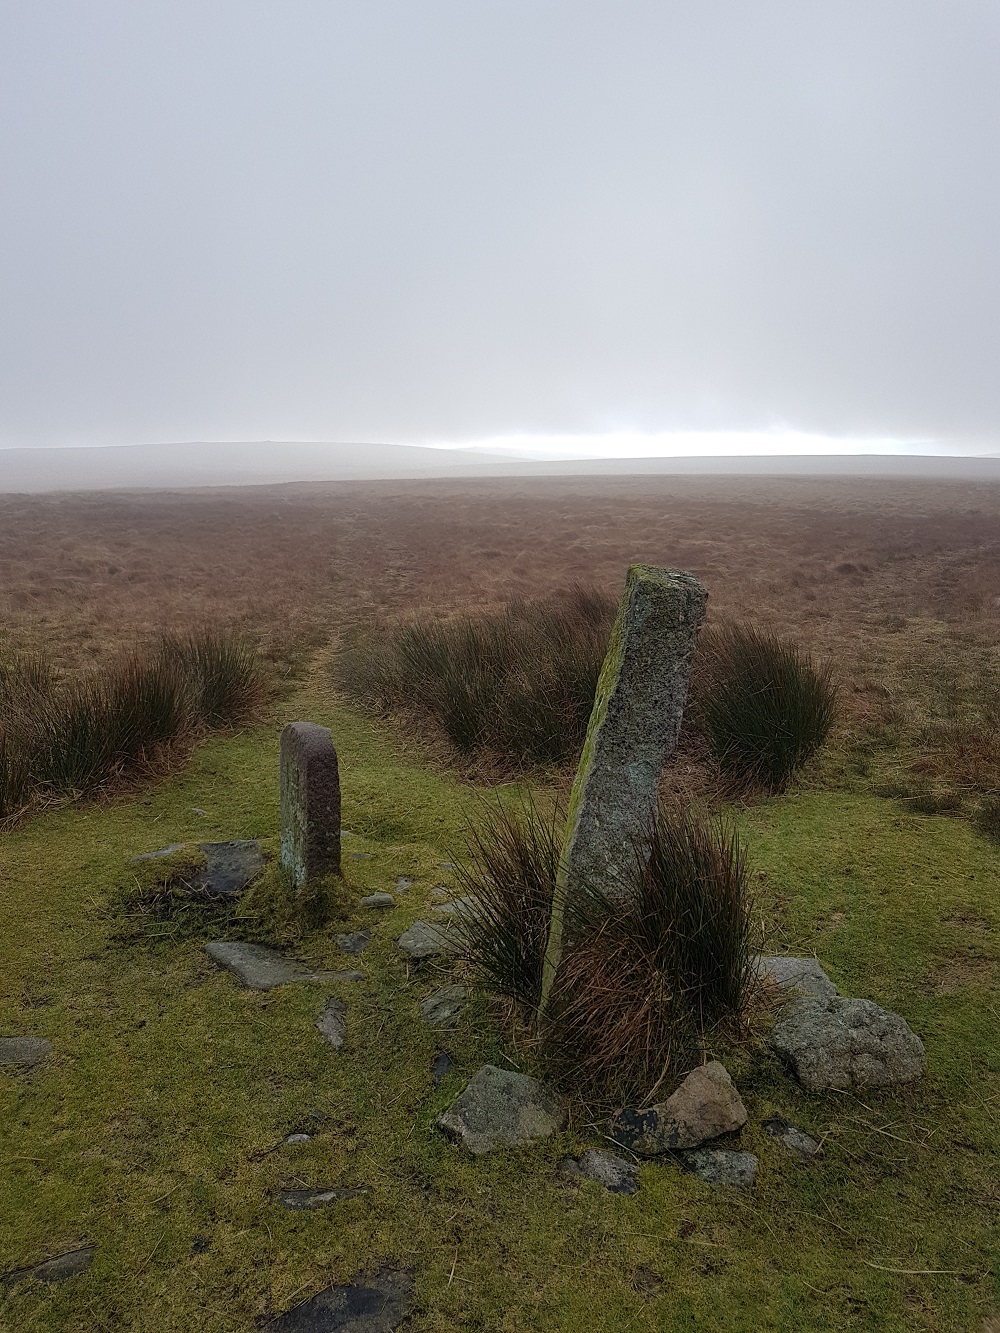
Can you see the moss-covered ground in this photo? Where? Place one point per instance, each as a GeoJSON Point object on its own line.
{"type": "Point", "coordinates": [155, 1129]}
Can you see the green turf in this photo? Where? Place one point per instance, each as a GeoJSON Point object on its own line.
{"type": "Point", "coordinates": [155, 1129]}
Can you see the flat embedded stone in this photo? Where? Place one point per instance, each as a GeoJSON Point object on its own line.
{"type": "Point", "coordinates": [305, 1200]}
{"type": "Point", "coordinates": [795, 1140]}
{"type": "Point", "coordinates": [384, 900]}
{"type": "Point", "coordinates": [604, 1168]}
{"type": "Point", "coordinates": [59, 1269]}
{"type": "Point", "coordinates": [230, 867]}
{"type": "Point", "coordinates": [378, 1304]}
{"type": "Point", "coordinates": [24, 1051]}
{"type": "Point", "coordinates": [442, 1009]}
{"type": "Point", "coordinates": [502, 1108]}
{"type": "Point", "coordinates": [260, 968]}
{"type": "Point", "coordinates": [845, 1043]}
{"type": "Point", "coordinates": [425, 939]}
{"type": "Point", "coordinates": [332, 1022]}
{"type": "Point", "coordinates": [705, 1105]}
{"type": "Point", "coordinates": [803, 976]}
{"type": "Point", "coordinates": [293, 1139]}
{"type": "Point", "coordinates": [441, 1067]}
{"type": "Point", "coordinates": [464, 907]}
{"type": "Point", "coordinates": [355, 942]}
{"type": "Point", "coordinates": [717, 1166]}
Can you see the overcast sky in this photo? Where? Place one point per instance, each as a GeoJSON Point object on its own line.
{"type": "Point", "coordinates": [433, 220]}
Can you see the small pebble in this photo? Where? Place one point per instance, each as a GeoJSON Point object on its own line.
{"type": "Point", "coordinates": [379, 900]}
{"type": "Point", "coordinates": [298, 1138]}
{"type": "Point", "coordinates": [441, 1067]}
{"type": "Point", "coordinates": [354, 942]}
{"type": "Point", "coordinates": [402, 884]}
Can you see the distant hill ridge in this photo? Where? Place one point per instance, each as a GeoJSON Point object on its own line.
{"type": "Point", "coordinates": [269, 462]}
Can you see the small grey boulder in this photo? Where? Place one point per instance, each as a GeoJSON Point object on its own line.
{"type": "Point", "coordinates": [704, 1106]}
{"type": "Point", "coordinates": [716, 1166]}
{"type": "Point", "coordinates": [425, 940]}
{"type": "Point", "coordinates": [501, 1108]}
{"type": "Point", "coordinates": [605, 1168]}
{"type": "Point", "coordinates": [24, 1051]}
{"type": "Point", "coordinates": [383, 900]}
{"type": "Point", "coordinates": [795, 1140]}
{"type": "Point", "coordinates": [801, 976]}
{"type": "Point", "coordinates": [442, 1009]}
{"type": "Point", "coordinates": [844, 1043]}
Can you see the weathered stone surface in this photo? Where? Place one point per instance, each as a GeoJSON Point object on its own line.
{"type": "Point", "coordinates": [304, 1200]}
{"type": "Point", "coordinates": [158, 854]}
{"type": "Point", "coordinates": [442, 1008]}
{"type": "Point", "coordinates": [59, 1269]}
{"type": "Point", "coordinates": [376, 1305]}
{"type": "Point", "coordinates": [352, 975]}
{"type": "Point", "coordinates": [461, 907]}
{"type": "Point", "coordinates": [704, 1106]}
{"type": "Point", "coordinates": [716, 1166]}
{"type": "Point", "coordinates": [501, 1108]}
{"type": "Point", "coordinates": [633, 730]}
{"type": "Point", "coordinates": [292, 1139]}
{"type": "Point", "coordinates": [844, 1043]}
{"type": "Point", "coordinates": [24, 1051]}
{"type": "Point", "coordinates": [426, 939]}
{"type": "Point", "coordinates": [310, 803]}
{"type": "Point", "coordinates": [231, 866]}
{"type": "Point", "coordinates": [355, 942]}
{"type": "Point", "coordinates": [402, 883]}
{"type": "Point", "coordinates": [802, 976]}
{"type": "Point", "coordinates": [441, 1067]}
{"type": "Point", "coordinates": [797, 1141]}
{"type": "Point", "coordinates": [378, 900]}
{"type": "Point", "coordinates": [332, 1022]}
{"type": "Point", "coordinates": [605, 1168]}
{"type": "Point", "coordinates": [260, 968]}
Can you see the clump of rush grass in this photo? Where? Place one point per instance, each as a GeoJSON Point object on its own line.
{"type": "Point", "coordinates": [516, 684]}
{"type": "Point", "coordinates": [510, 877]}
{"type": "Point", "coordinates": [650, 967]}
{"type": "Point", "coordinates": [763, 704]}
{"type": "Point", "coordinates": [72, 737]}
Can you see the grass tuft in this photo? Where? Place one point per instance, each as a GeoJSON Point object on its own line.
{"type": "Point", "coordinates": [765, 705]}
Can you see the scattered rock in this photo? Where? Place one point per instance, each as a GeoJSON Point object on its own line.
{"type": "Point", "coordinates": [501, 1108]}
{"type": "Point", "coordinates": [229, 866]}
{"type": "Point", "coordinates": [797, 1141]}
{"type": "Point", "coordinates": [59, 1269]}
{"type": "Point", "coordinates": [447, 865]}
{"type": "Point", "coordinates": [402, 884]}
{"type": "Point", "coordinates": [427, 940]}
{"type": "Point", "coordinates": [24, 1051]}
{"type": "Point", "coordinates": [704, 1106]}
{"type": "Point", "coordinates": [801, 975]}
{"type": "Point", "coordinates": [379, 900]}
{"type": "Point", "coordinates": [355, 942]}
{"type": "Point", "coordinates": [459, 906]}
{"type": "Point", "coordinates": [442, 1008]}
{"type": "Point", "coordinates": [352, 975]}
{"type": "Point", "coordinates": [361, 856]}
{"type": "Point", "coordinates": [332, 1022]}
{"type": "Point", "coordinates": [717, 1166]}
{"type": "Point", "coordinates": [378, 1305]}
{"type": "Point", "coordinates": [260, 968]}
{"type": "Point", "coordinates": [303, 1200]}
{"type": "Point", "coordinates": [843, 1043]}
{"type": "Point", "coordinates": [441, 1067]}
{"type": "Point", "coordinates": [605, 1168]}
{"type": "Point", "coordinates": [296, 1138]}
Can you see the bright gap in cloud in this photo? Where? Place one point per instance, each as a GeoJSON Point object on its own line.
{"type": "Point", "coordinates": [689, 444]}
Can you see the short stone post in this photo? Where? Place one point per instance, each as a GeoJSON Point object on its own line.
{"type": "Point", "coordinates": [310, 812]}
{"type": "Point", "coordinates": [633, 730]}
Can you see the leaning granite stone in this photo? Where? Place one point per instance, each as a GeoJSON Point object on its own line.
{"type": "Point", "coordinates": [310, 804]}
{"type": "Point", "coordinates": [355, 942]}
{"type": "Point", "coordinates": [802, 976]}
{"type": "Point", "coordinates": [304, 1200]}
{"type": "Point", "coordinates": [842, 1043]}
{"type": "Point", "coordinates": [377, 1304]}
{"type": "Point", "coordinates": [795, 1140]}
{"type": "Point", "coordinates": [332, 1022]}
{"type": "Point", "coordinates": [425, 939]}
{"type": "Point", "coordinates": [501, 1108]}
{"type": "Point", "coordinates": [442, 1008]}
{"type": "Point", "coordinates": [59, 1269]}
{"type": "Point", "coordinates": [260, 968]}
{"type": "Point", "coordinates": [378, 900]}
{"type": "Point", "coordinates": [633, 730]}
{"type": "Point", "coordinates": [716, 1166]}
{"type": "Point", "coordinates": [24, 1051]}
{"type": "Point", "coordinates": [605, 1168]}
{"type": "Point", "coordinates": [704, 1106]}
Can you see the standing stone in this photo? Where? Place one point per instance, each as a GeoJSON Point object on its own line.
{"type": "Point", "coordinates": [633, 731]}
{"type": "Point", "coordinates": [310, 805]}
